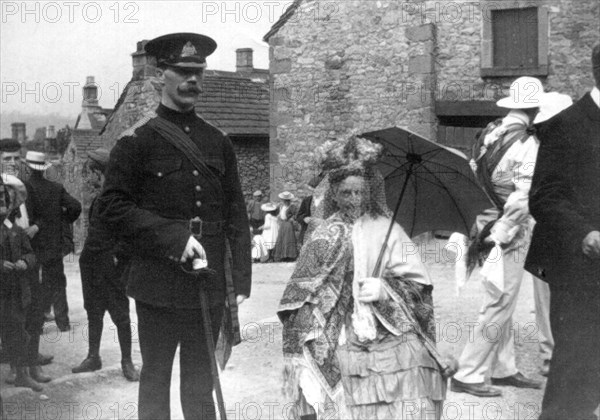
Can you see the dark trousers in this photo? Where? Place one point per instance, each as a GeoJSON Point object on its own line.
{"type": "Point", "coordinates": [103, 290]}
{"type": "Point", "coordinates": [12, 325]}
{"type": "Point", "coordinates": [34, 321]}
{"type": "Point", "coordinates": [160, 331]}
{"type": "Point", "coordinates": [54, 284]}
{"type": "Point", "coordinates": [573, 388]}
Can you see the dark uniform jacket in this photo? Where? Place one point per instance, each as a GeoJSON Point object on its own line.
{"type": "Point", "coordinates": [14, 246]}
{"type": "Point", "coordinates": [50, 207]}
{"type": "Point", "coordinates": [150, 194]}
{"type": "Point", "coordinates": [565, 194]}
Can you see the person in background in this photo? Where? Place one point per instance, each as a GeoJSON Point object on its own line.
{"type": "Point", "coordinates": [565, 251]}
{"type": "Point", "coordinates": [16, 258]}
{"type": "Point", "coordinates": [51, 206]}
{"type": "Point", "coordinates": [303, 216]}
{"type": "Point", "coordinates": [285, 247]}
{"type": "Point", "coordinates": [11, 164]}
{"type": "Point", "coordinates": [504, 156]}
{"type": "Point", "coordinates": [270, 229]}
{"type": "Point", "coordinates": [102, 262]}
{"type": "Point", "coordinates": [256, 216]}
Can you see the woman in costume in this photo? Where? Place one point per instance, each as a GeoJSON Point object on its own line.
{"type": "Point", "coordinates": [286, 248]}
{"type": "Point", "coordinates": [351, 351]}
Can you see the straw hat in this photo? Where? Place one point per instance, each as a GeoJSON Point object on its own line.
{"type": "Point", "coordinates": [268, 207]}
{"type": "Point", "coordinates": [286, 195]}
{"type": "Point", "coordinates": [525, 92]}
{"type": "Point", "coordinates": [37, 161]}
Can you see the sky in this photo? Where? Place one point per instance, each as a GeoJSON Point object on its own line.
{"type": "Point", "coordinates": [48, 48]}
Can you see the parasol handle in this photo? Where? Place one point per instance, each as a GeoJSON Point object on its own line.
{"type": "Point", "coordinates": [377, 267]}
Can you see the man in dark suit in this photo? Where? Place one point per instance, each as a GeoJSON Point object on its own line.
{"type": "Point", "coordinates": [565, 251]}
{"type": "Point", "coordinates": [168, 173]}
{"type": "Point", "coordinates": [49, 206]}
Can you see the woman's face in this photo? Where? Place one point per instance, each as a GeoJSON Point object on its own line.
{"type": "Point", "coordinates": [350, 197]}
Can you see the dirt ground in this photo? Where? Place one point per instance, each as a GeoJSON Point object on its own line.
{"type": "Point", "coordinates": [252, 379]}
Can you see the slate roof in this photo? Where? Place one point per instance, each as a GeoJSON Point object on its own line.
{"type": "Point", "coordinates": [94, 120]}
{"type": "Point", "coordinates": [282, 19]}
{"type": "Point", "coordinates": [86, 141]}
{"type": "Point", "coordinates": [236, 104]}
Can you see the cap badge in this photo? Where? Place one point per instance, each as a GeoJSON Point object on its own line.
{"type": "Point", "coordinates": [189, 50]}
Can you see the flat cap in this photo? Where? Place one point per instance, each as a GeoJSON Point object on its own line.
{"type": "Point", "coordinates": [9, 145]}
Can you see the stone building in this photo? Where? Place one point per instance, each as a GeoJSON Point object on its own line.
{"type": "Point", "coordinates": [435, 67]}
{"type": "Point", "coordinates": [83, 138]}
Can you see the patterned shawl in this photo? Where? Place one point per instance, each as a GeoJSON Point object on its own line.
{"type": "Point", "coordinates": [318, 298]}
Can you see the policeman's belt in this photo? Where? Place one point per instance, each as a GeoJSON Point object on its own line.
{"type": "Point", "coordinates": [201, 228]}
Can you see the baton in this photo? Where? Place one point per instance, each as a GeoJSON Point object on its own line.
{"type": "Point", "coordinates": [199, 268]}
{"type": "Point", "coordinates": [208, 332]}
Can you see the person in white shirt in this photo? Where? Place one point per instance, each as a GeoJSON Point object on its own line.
{"type": "Point", "coordinates": [505, 159]}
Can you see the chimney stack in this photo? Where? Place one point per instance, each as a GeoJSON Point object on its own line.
{"type": "Point", "coordinates": [244, 60]}
{"type": "Point", "coordinates": [90, 93]}
{"type": "Point", "coordinates": [19, 132]}
{"type": "Point", "coordinates": [144, 65]}
{"type": "Point", "coordinates": [50, 132]}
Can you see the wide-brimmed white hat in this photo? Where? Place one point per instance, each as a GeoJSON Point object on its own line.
{"type": "Point", "coordinates": [552, 104]}
{"type": "Point", "coordinates": [268, 207]}
{"type": "Point", "coordinates": [525, 92]}
{"type": "Point", "coordinates": [37, 161]}
{"type": "Point", "coordinates": [286, 195]}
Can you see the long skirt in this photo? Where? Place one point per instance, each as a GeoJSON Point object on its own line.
{"type": "Point", "coordinates": [395, 379]}
{"type": "Point", "coordinates": [285, 247]}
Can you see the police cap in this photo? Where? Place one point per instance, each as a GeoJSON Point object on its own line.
{"type": "Point", "coordinates": [183, 49]}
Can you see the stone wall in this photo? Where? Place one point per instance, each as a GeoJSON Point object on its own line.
{"type": "Point", "coordinates": [253, 164]}
{"type": "Point", "coordinates": [356, 66]}
{"type": "Point", "coordinates": [345, 67]}
{"type": "Point", "coordinates": [573, 27]}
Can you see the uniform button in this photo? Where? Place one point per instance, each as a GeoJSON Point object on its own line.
{"type": "Point", "coordinates": [160, 174]}
{"type": "Point", "coordinates": [198, 203]}
{"type": "Point", "coordinates": [195, 173]}
{"type": "Point", "coordinates": [186, 129]}
{"type": "Point", "coordinates": [198, 188]}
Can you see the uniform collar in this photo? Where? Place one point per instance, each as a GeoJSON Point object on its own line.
{"type": "Point", "coordinates": [176, 116]}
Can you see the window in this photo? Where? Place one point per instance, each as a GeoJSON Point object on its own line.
{"type": "Point", "coordinates": [515, 42]}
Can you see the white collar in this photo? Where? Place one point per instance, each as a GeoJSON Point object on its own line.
{"type": "Point", "coordinates": [595, 94]}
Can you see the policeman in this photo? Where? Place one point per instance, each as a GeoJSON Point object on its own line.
{"type": "Point", "coordinates": [169, 169]}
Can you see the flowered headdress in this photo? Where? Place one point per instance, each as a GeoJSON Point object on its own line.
{"type": "Point", "coordinates": [342, 158]}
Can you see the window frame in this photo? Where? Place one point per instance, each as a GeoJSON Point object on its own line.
{"type": "Point", "coordinates": [487, 43]}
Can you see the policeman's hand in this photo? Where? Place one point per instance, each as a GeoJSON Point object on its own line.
{"type": "Point", "coordinates": [307, 220]}
{"type": "Point", "coordinates": [20, 265]}
{"type": "Point", "coordinates": [371, 290]}
{"type": "Point", "coordinates": [192, 250]}
{"type": "Point", "coordinates": [7, 266]}
{"type": "Point", "coordinates": [591, 244]}
{"type": "Point", "coordinates": [240, 299]}
{"type": "Point", "coordinates": [31, 231]}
